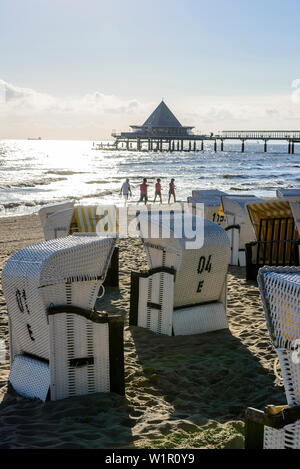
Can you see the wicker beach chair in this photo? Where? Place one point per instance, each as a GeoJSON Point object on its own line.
{"type": "Point", "coordinates": [276, 232]}
{"type": "Point", "coordinates": [65, 219]}
{"type": "Point", "coordinates": [239, 226]}
{"type": "Point", "coordinates": [49, 210]}
{"type": "Point", "coordinates": [291, 194]}
{"type": "Point", "coordinates": [59, 346]}
{"type": "Point", "coordinates": [211, 199]}
{"type": "Point", "coordinates": [278, 427]}
{"type": "Point", "coordinates": [184, 292]}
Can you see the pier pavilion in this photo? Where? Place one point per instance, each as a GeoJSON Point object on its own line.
{"type": "Point", "coordinates": [162, 131]}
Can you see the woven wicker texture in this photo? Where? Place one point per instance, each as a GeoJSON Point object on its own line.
{"type": "Point", "coordinates": [201, 273]}
{"type": "Point", "coordinates": [280, 292]}
{"type": "Point", "coordinates": [157, 289]}
{"type": "Point", "coordinates": [64, 271]}
{"type": "Point", "coordinates": [200, 319]}
{"type": "Point", "coordinates": [75, 337]}
{"type": "Point", "coordinates": [30, 377]}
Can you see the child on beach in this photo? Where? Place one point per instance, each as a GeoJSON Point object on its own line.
{"type": "Point", "coordinates": [172, 191]}
{"type": "Point", "coordinates": [158, 191]}
{"type": "Point", "coordinates": [126, 190]}
{"type": "Point", "coordinates": [144, 191]}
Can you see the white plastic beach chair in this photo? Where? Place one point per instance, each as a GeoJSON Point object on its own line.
{"type": "Point", "coordinates": [59, 347]}
{"type": "Point", "coordinates": [279, 427]}
{"type": "Point", "coordinates": [239, 227]}
{"type": "Point", "coordinates": [184, 292]}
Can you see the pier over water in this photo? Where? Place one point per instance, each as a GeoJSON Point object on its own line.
{"type": "Point", "coordinates": [163, 132]}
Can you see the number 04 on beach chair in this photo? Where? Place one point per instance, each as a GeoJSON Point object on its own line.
{"type": "Point", "coordinates": [184, 292]}
{"type": "Point", "coordinates": [278, 427]}
{"type": "Point", "coordinates": [59, 345]}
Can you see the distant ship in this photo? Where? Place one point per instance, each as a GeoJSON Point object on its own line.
{"type": "Point", "coordinates": [34, 138]}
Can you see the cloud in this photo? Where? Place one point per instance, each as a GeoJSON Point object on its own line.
{"type": "Point", "coordinates": [18, 100]}
{"type": "Point", "coordinates": [25, 111]}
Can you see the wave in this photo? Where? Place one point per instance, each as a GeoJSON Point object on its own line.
{"type": "Point", "coordinates": [65, 172]}
{"type": "Point", "coordinates": [31, 183]}
{"type": "Point", "coordinates": [234, 176]}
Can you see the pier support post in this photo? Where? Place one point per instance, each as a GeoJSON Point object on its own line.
{"type": "Point", "coordinates": [266, 146]}
{"type": "Point", "coordinates": [202, 145]}
{"type": "Point", "coordinates": [215, 145]}
{"type": "Point", "coordinates": [195, 146]}
{"type": "Point", "coordinates": [222, 145]}
{"type": "Point", "coordinates": [173, 145]}
{"type": "Point", "coordinates": [181, 145]}
{"type": "Point", "coordinates": [243, 146]}
{"type": "Point", "coordinates": [289, 148]}
{"type": "Point", "coordinates": [293, 147]}
{"type": "Point", "coordinates": [170, 146]}
{"type": "Point", "coordinates": [177, 145]}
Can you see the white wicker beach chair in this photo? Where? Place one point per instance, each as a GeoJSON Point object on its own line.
{"type": "Point", "coordinates": [59, 222]}
{"type": "Point", "coordinates": [184, 292]}
{"type": "Point", "coordinates": [50, 210]}
{"type": "Point", "coordinates": [291, 194]}
{"type": "Point", "coordinates": [280, 292]}
{"type": "Point", "coordinates": [239, 227]}
{"type": "Point", "coordinates": [211, 199]}
{"type": "Point", "coordinates": [59, 346]}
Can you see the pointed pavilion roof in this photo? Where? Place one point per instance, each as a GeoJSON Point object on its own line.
{"type": "Point", "coordinates": [162, 117]}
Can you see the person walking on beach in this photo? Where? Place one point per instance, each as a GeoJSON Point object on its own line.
{"type": "Point", "coordinates": [172, 191]}
{"type": "Point", "coordinates": [144, 191]}
{"type": "Point", "coordinates": [126, 190]}
{"type": "Point", "coordinates": [157, 191]}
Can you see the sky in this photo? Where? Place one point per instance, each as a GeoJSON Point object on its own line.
{"type": "Point", "coordinates": [81, 68]}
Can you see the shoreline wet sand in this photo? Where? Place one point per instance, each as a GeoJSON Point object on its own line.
{"type": "Point", "coordinates": [181, 392]}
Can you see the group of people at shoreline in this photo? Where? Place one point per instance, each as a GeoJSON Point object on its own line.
{"type": "Point", "coordinates": [126, 191]}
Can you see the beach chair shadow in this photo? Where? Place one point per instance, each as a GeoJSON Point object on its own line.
{"type": "Point", "coordinates": [204, 377]}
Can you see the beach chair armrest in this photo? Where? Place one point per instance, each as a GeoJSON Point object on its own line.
{"type": "Point", "coordinates": [256, 420]}
{"type": "Point", "coordinates": [286, 416]}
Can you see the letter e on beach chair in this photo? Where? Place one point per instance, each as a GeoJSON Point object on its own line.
{"type": "Point", "coordinates": [59, 346]}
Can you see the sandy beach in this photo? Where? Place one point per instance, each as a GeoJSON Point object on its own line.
{"type": "Point", "coordinates": [181, 392]}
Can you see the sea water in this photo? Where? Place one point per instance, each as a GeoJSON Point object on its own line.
{"type": "Point", "coordinates": [35, 173]}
